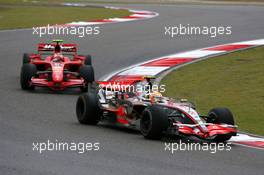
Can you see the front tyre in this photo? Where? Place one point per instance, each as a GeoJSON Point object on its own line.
{"type": "Point", "coordinates": [88, 110]}
{"type": "Point", "coordinates": [87, 73]}
{"type": "Point", "coordinates": [27, 72]}
{"type": "Point", "coordinates": [153, 122]}
{"type": "Point", "coordinates": [221, 116]}
{"type": "Point", "coordinates": [88, 60]}
{"type": "Point", "coordinates": [26, 58]}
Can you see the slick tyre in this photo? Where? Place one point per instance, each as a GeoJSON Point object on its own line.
{"type": "Point", "coordinates": [84, 88]}
{"type": "Point", "coordinates": [27, 72]}
{"type": "Point", "coordinates": [87, 73]}
{"type": "Point", "coordinates": [88, 110]}
{"type": "Point", "coordinates": [218, 116]}
{"type": "Point", "coordinates": [26, 58]}
{"type": "Point", "coordinates": [88, 60]}
{"type": "Point", "coordinates": [153, 122]}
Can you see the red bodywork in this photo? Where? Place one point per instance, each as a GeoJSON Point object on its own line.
{"type": "Point", "coordinates": [198, 126]}
{"type": "Point", "coordinates": [57, 70]}
{"type": "Point", "coordinates": [203, 130]}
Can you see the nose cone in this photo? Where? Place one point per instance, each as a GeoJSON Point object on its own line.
{"type": "Point", "coordinates": [57, 71]}
{"type": "Point", "coordinates": [57, 76]}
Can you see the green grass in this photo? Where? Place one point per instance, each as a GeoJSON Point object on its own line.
{"type": "Point", "coordinates": [26, 16]}
{"type": "Point", "coordinates": [235, 81]}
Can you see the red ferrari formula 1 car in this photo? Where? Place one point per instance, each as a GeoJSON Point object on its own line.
{"type": "Point", "coordinates": [56, 66]}
{"type": "Point", "coordinates": [151, 113]}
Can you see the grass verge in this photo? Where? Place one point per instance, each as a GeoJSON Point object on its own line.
{"type": "Point", "coordinates": [235, 80]}
{"type": "Point", "coordinates": [19, 15]}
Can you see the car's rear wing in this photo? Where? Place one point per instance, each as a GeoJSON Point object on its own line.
{"type": "Point", "coordinates": [71, 48]}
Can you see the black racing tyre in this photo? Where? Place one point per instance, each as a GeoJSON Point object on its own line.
{"type": "Point", "coordinates": [91, 86]}
{"type": "Point", "coordinates": [221, 115]}
{"type": "Point", "coordinates": [88, 110]}
{"type": "Point", "coordinates": [153, 122]}
{"type": "Point", "coordinates": [26, 58]}
{"type": "Point", "coordinates": [27, 72]}
{"type": "Point", "coordinates": [87, 72]}
{"type": "Point", "coordinates": [88, 60]}
{"type": "Point", "coordinates": [84, 88]}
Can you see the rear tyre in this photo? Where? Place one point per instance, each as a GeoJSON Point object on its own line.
{"type": "Point", "coordinates": [153, 122]}
{"type": "Point", "coordinates": [218, 116]}
{"type": "Point", "coordinates": [26, 58]}
{"type": "Point", "coordinates": [84, 88]}
{"type": "Point", "coordinates": [27, 72]}
{"type": "Point", "coordinates": [88, 110]}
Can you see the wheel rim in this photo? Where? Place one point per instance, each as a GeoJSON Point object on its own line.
{"type": "Point", "coordinates": [146, 122]}
{"type": "Point", "coordinates": [212, 117]}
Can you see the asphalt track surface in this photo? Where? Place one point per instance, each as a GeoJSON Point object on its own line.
{"type": "Point", "coordinates": [28, 117]}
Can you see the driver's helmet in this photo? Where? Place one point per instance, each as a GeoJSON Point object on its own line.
{"type": "Point", "coordinates": [57, 57]}
{"type": "Point", "coordinates": [155, 96]}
